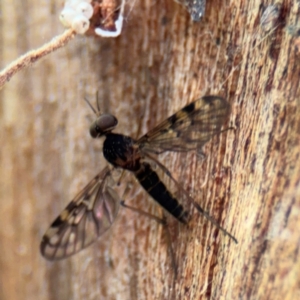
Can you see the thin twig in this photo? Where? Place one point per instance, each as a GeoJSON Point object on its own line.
{"type": "Point", "coordinates": [32, 56]}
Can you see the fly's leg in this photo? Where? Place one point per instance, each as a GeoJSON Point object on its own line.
{"type": "Point", "coordinates": [214, 221]}
{"type": "Point", "coordinates": [164, 223]}
{"type": "Point", "coordinates": [139, 129]}
{"type": "Point", "coordinates": [121, 177]}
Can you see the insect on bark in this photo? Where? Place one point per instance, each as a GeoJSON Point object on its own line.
{"type": "Point", "coordinates": [95, 208]}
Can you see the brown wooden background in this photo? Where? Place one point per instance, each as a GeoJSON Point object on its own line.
{"type": "Point", "coordinates": [161, 62]}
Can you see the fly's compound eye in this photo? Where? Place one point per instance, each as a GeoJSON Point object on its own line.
{"type": "Point", "coordinates": [103, 124]}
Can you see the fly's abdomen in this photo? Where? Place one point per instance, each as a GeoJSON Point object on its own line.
{"type": "Point", "coordinates": [150, 181]}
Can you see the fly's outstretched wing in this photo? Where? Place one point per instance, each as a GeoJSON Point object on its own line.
{"type": "Point", "coordinates": [86, 217]}
{"type": "Point", "coordinates": [188, 129]}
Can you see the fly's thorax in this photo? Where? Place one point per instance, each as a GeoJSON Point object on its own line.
{"type": "Point", "coordinates": [121, 151]}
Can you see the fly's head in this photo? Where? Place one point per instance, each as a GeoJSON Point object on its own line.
{"type": "Point", "coordinates": [104, 124]}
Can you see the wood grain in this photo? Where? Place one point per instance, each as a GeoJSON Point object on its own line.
{"type": "Point", "coordinates": [249, 180]}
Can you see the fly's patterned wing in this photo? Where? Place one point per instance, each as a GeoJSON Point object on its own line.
{"type": "Point", "coordinates": [188, 129]}
{"type": "Point", "coordinates": [86, 217]}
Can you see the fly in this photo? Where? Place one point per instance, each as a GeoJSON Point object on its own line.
{"type": "Point", "coordinates": [95, 208]}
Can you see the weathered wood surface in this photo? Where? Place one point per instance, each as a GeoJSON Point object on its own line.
{"type": "Point", "coordinates": [250, 179]}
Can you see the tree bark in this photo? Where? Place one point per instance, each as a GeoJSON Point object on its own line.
{"type": "Point", "coordinates": [249, 179]}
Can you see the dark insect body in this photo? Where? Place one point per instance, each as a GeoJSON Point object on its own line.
{"type": "Point", "coordinates": [95, 208]}
{"type": "Point", "coordinates": [122, 151]}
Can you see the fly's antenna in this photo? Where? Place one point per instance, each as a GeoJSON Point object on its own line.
{"type": "Point", "coordinates": [90, 105]}
{"type": "Point", "coordinates": [96, 112]}
{"type": "Point", "coordinates": [97, 101]}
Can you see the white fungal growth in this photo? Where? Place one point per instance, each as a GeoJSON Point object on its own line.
{"type": "Point", "coordinates": [85, 8]}
{"type": "Point", "coordinates": [74, 3]}
{"type": "Point", "coordinates": [67, 16]}
{"type": "Point", "coordinates": [118, 23]}
{"type": "Point", "coordinates": [77, 13]}
{"type": "Point", "coordinates": [106, 33]}
{"type": "Point", "coordinates": [80, 24]}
